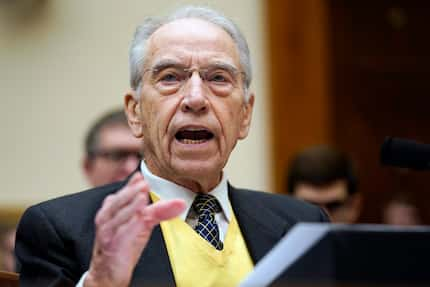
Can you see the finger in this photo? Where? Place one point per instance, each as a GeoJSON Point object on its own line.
{"type": "Point", "coordinates": [115, 202]}
{"type": "Point", "coordinates": [135, 177]}
{"type": "Point", "coordinates": [134, 235]}
{"type": "Point", "coordinates": [137, 231]}
{"type": "Point", "coordinates": [127, 193]}
{"type": "Point", "coordinates": [124, 214]}
{"type": "Point", "coordinates": [162, 210]}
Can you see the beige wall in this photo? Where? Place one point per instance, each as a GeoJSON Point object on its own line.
{"type": "Point", "coordinates": [62, 63]}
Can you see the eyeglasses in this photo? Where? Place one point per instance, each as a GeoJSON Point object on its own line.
{"type": "Point", "coordinates": [117, 156]}
{"type": "Point", "coordinates": [169, 78]}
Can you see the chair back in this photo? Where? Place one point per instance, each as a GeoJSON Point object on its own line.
{"type": "Point", "coordinates": [9, 279]}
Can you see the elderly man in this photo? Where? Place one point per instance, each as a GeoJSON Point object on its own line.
{"type": "Point", "coordinates": [190, 102]}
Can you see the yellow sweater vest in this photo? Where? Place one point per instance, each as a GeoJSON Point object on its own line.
{"type": "Point", "coordinates": [195, 262]}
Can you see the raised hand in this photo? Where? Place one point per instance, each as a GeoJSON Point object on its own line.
{"type": "Point", "coordinates": [124, 225]}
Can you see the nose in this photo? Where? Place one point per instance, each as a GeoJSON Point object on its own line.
{"type": "Point", "coordinates": [195, 95]}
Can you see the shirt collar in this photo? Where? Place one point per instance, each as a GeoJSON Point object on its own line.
{"type": "Point", "coordinates": [166, 190]}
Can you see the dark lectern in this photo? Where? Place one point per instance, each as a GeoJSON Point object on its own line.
{"type": "Point", "coordinates": [313, 254]}
{"type": "Point", "coordinates": [364, 255]}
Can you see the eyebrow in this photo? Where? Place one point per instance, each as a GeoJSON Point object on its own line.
{"type": "Point", "coordinates": [224, 66]}
{"type": "Point", "coordinates": [169, 63]}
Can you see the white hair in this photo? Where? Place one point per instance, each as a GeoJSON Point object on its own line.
{"type": "Point", "coordinates": [144, 31]}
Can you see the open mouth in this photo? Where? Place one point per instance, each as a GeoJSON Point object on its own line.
{"type": "Point", "coordinates": [190, 136]}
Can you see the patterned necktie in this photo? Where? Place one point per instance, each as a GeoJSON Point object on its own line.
{"type": "Point", "coordinates": [206, 206]}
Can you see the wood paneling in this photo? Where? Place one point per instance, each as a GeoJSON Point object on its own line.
{"type": "Point", "coordinates": [380, 61]}
{"type": "Point", "coordinates": [348, 73]}
{"type": "Point", "coordinates": [300, 101]}
{"type": "Point", "coordinates": [10, 216]}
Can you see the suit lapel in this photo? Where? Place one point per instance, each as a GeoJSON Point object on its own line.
{"type": "Point", "coordinates": [261, 228]}
{"type": "Point", "coordinates": [153, 267]}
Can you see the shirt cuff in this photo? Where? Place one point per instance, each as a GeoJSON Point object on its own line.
{"type": "Point", "coordinates": [81, 282]}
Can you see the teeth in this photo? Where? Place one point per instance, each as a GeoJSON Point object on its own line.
{"type": "Point", "coordinates": [194, 129]}
{"type": "Point", "coordinates": [189, 141]}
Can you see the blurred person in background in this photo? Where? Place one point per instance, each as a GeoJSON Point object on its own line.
{"type": "Point", "coordinates": [111, 151]}
{"type": "Point", "coordinates": [401, 210]}
{"type": "Point", "coordinates": [324, 176]}
{"type": "Point", "coordinates": [7, 245]}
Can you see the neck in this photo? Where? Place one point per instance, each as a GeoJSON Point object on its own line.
{"type": "Point", "coordinates": [197, 183]}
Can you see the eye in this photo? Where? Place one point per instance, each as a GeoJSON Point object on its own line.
{"type": "Point", "coordinates": [117, 155]}
{"type": "Point", "coordinates": [219, 77]}
{"type": "Point", "coordinates": [169, 77]}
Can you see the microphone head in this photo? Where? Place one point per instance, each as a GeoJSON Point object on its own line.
{"type": "Point", "coordinates": [405, 153]}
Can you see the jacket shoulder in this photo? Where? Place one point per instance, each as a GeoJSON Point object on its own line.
{"type": "Point", "coordinates": [283, 205]}
{"type": "Point", "coordinates": [71, 214]}
{"type": "Point", "coordinates": [79, 202]}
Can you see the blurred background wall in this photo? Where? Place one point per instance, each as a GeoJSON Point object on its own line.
{"type": "Point", "coordinates": [340, 72]}
{"type": "Point", "coordinates": [63, 63]}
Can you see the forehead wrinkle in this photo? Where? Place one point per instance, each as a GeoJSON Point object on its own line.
{"type": "Point", "coordinates": [191, 59]}
{"type": "Point", "coordinates": [170, 62]}
{"type": "Point", "coordinates": [192, 30]}
{"type": "Point", "coordinates": [167, 63]}
{"type": "Point", "coordinates": [192, 40]}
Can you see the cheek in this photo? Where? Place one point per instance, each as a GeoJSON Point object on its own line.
{"type": "Point", "coordinates": [102, 170]}
{"type": "Point", "coordinates": [157, 116]}
{"type": "Point", "coordinates": [149, 114]}
{"type": "Point", "coordinates": [230, 121]}
{"type": "Point", "coordinates": [235, 116]}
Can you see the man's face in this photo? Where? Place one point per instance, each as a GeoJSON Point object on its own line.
{"type": "Point", "coordinates": [334, 198]}
{"type": "Point", "coordinates": [401, 213]}
{"type": "Point", "coordinates": [192, 109]}
{"type": "Point", "coordinates": [116, 155]}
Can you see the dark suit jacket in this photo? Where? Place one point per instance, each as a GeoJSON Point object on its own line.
{"type": "Point", "coordinates": [55, 238]}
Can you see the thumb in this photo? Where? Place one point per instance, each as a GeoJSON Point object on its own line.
{"type": "Point", "coordinates": [163, 210]}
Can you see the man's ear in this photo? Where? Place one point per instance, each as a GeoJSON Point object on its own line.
{"type": "Point", "coordinates": [246, 117]}
{"type": "Point", "coordinates": [132, 110]}
{"type": "Point", "coordinates": [357, 203]}
{"type": "Point", "coordinates": [86, 165]}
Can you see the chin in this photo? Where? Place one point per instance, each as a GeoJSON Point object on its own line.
{"type": "Point", "coordinates": [197, 169]}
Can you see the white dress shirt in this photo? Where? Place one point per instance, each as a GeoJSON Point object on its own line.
{"type": "Point", "coordinates": [166, 190]}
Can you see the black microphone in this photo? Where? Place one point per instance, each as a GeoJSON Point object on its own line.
{"type": "Point", "coordinates": [405, 153]}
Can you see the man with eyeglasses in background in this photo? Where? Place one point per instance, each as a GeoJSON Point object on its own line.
{"type": "Point", "coordinates": [111, 151]}
{"type": "Point", "coordinates": [324, 176]}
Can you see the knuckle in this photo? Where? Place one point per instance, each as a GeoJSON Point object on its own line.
{"type": "Point", "coordinates": [104, 237]}
{"type": "Point", "coordinates": [108, 200]}
{"type": "Point", "coordinates": [99, 218]}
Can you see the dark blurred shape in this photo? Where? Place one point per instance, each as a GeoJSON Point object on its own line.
{"type": "Point", "coordinates": [325, 176]}
{"type": "Point", "coordinates": [363, 256]}
{"type": "Point", "coordinates": [405, 153]}
{"type": "Point", "coordinates": [401, 210]}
